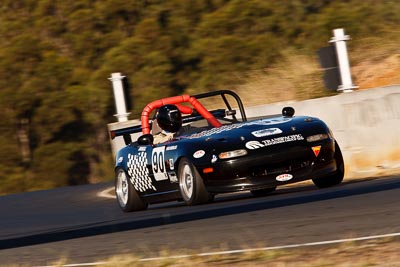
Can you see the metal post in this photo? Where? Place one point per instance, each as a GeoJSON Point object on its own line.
{"type": "Point", "coordinates": [344, 66]}
{"type": "Point", "coordinates": [119, 96]}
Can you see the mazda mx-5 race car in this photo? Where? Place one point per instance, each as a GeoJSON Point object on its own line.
{"type": "Point", "coordinates": [220, 151]}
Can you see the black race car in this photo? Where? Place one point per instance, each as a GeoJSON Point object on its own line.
{"type": "Point", "coordinates": [220, 151]}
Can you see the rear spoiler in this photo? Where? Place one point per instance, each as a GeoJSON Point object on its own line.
{"type": "Point", "coordinates": [126, 133]}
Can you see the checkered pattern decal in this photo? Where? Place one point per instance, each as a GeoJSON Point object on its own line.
{"type": "Point", "coordinates": [138, 172]}
{"type": "Point", "coordinates": [225, 128]}
{"type": "Point", "coordinates": [218, 130]}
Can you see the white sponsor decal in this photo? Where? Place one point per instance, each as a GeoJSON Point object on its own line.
{"type": "Point", "coordinates": [254, 145]}
{"type": "Point", "coordinates": [270, 121]}
{"type": "Point", "coordinates": [171, 164]}
{"type": "Point", "coordinates": [284, 177]}
{"type": "Point", "coordinates": [142, 148]}
{"type": "Point", "coordinates": [283, 139]}
{"type": "Point", "coordinates": [199, 153]}
{"type": "Point", "coordinates": [172, 148]}
{"type": "Point", "coordinates": [172, 177]}
{"type": "Point", "coordinates": [120, 159]}
{"type": "Point", "coordinates": [158, 163]}
{"type": "Point", "coordinates": [266, 132]}
{"type": "Point", "coordinates": [274, 141]}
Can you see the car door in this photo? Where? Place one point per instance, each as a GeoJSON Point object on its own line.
{"type": "Point", "coordinates": [161, 165]}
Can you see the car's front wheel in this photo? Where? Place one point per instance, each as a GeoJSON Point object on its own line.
{"type": "Point", "coordinates": [191, 184]}
{"type": "Point", "coordinates": [127, 197]}
{"type": "Point", "coordinates": [335, 178]}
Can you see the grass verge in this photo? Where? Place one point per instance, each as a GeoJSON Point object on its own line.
{"type": "Point", "coordinates": [377, 252]}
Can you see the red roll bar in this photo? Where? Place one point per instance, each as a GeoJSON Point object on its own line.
{"type": "Point", "coordinates": [176, 100]}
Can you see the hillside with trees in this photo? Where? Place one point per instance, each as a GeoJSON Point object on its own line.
{"type": "Point", "coordinates": [56, 56]}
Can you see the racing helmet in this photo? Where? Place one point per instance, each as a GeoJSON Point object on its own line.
{"type": "Point", "coordinates": [169, 118]}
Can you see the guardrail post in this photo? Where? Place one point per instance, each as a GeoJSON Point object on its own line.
{"type": "Point", "coordinates": [119, 96]}
{"type": "Point", "coordinates": [343, 59]}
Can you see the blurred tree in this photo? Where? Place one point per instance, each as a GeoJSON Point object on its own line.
{"type": "Point", "coordinates": [56, 56]}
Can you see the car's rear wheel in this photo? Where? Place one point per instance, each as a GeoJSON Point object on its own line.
{"type": "Point", "coordinates": [263, 192]}
{"type": "Point", "coordinates": [127, 197]}
{"type": "Point", "coordinates": [335, 178]}
{"type": "Point", "coordinates": [191, 184]}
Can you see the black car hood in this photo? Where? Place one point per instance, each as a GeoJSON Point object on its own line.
{"type": "Point", "coordinates": [260, 128]}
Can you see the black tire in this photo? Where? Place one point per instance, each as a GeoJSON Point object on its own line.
{"type": "Point", "coordinates": [335, 178]}
{"type": "Point", "coordinates": [127, 197]}
{"type": "Point", "coordinates": [191, 184]}
{"type": "Point", "coordinates": [263, 192]}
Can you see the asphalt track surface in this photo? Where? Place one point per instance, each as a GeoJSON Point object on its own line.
{"type": "Point", "coordinates": [39, 228]}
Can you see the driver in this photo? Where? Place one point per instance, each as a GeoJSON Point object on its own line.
{"type": "Point", "coordinates": [169, 118]}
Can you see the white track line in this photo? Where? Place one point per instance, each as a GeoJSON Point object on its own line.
{"type": "Point", "coordinates": [106, 193]}
{"type": "Point", "coordinates": [237, 251]}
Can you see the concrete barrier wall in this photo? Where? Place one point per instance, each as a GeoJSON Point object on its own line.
{"type": "Point", "coordinates": [365, 123]}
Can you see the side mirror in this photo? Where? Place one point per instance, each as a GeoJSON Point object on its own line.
{"type": "Point", "coordinates": [146, 139]}
{"type": "Point", "coordinates": [288, 112]}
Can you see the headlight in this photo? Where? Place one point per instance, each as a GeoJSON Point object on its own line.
{"type": "Point", "coordinates": [317, 137]}
{"type": "Point", "coordinates": [233, 154]}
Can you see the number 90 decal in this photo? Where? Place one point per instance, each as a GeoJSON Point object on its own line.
{"type": "Point", "coordinates": [158, 163]}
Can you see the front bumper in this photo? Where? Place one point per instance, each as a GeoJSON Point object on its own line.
{"type": "Point", "coordinates": [260, 170]}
